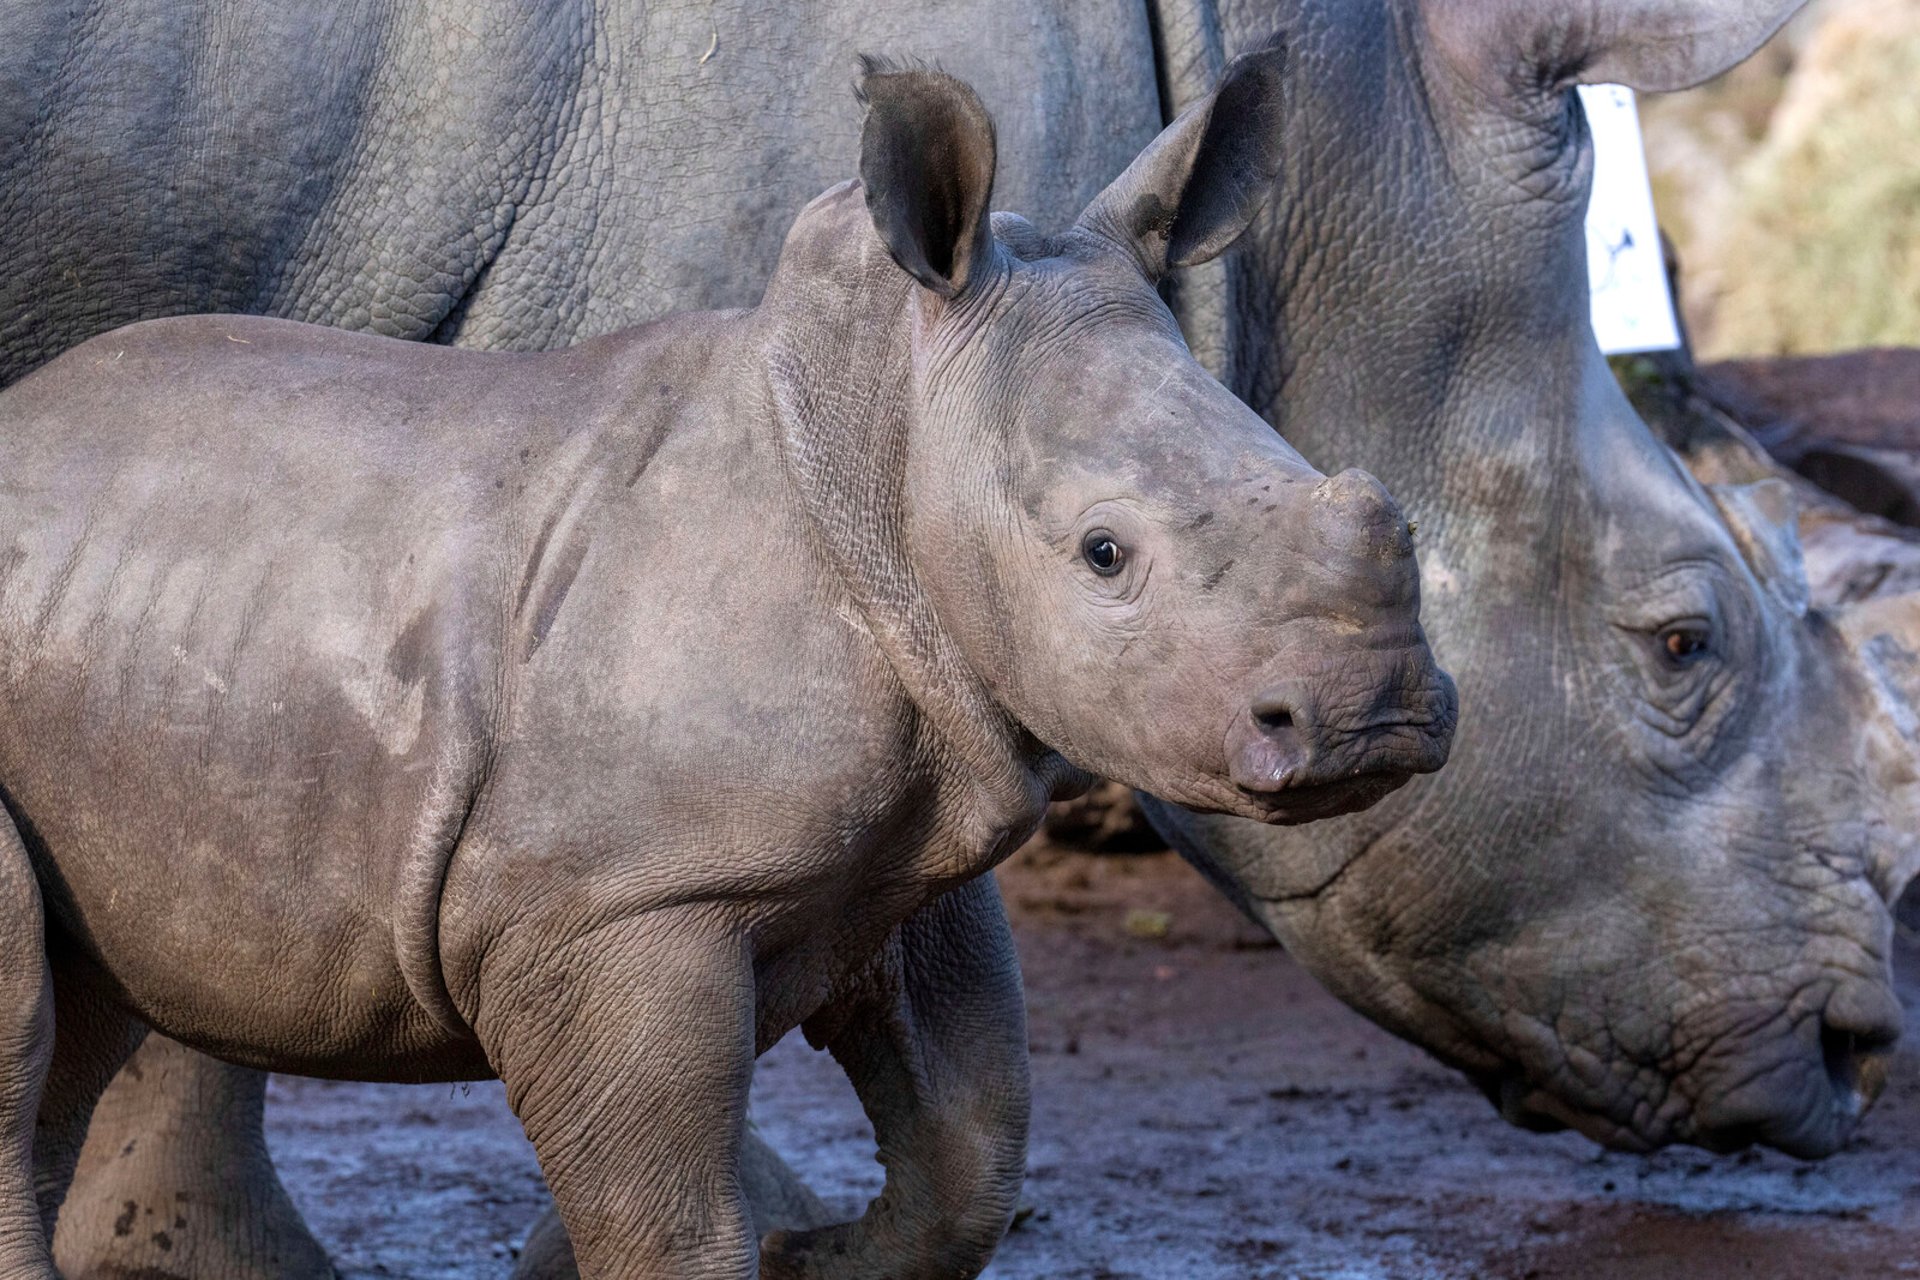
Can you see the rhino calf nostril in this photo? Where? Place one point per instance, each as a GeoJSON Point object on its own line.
{"type": "Point", "coordinates": [1273, 719]}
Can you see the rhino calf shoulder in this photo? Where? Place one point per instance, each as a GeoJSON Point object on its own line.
{"type": "Point", "coordinates": [595, 718]}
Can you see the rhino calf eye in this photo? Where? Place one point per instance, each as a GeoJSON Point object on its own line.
{"type": "Point", "coordinates": [1102, 554]}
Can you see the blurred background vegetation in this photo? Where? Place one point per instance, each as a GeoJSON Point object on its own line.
{"type": "Point", "coordinates": [1791, 187]}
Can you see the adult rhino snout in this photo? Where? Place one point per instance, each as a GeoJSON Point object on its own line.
{"type": "Point", "coordinates": [1806, 1098]}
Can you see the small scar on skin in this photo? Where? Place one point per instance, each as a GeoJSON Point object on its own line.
{"type": "Point", "coordinates": [1201, 521]}
{"type": "Point", "coordinates": [1212, 580]}
{"type": "Point", "coordinates": [665, 390]}
{"type": "Point", "coordinates": [242, 341]}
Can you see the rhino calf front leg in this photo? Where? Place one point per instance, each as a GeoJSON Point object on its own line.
{"type": "Point", "coordinates": [627, 1052]}
{"type": "Point", "coordinates": [177, 1140]}
{"type": "Point", "coordinates": [776, 1198]}
{"type": "Point", "coordinates": [936, 1047]}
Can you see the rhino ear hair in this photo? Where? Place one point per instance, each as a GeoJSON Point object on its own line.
{"type": "Point", "coordinates": [927, 162]}
{"type": "Point", "coordinates": [1199, 185]}
{"type": "Point", "coordinates": [1764, 520]}
{"type": "Point", "coordinates": [1651, 45]}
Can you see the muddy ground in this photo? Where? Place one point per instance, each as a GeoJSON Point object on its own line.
{"type": "Point", "coordinates": [1203, 1111]}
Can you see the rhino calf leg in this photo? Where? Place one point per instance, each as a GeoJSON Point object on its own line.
{"type": "Point", "coordinates": [92, 1038]}
{"type": "Point", "coordinates": [627, 1054]}
{"type": "Point", "coordinates": [26, 1051]}
{"type": "Point", "coordinates": [175, 1180]}
{"type": "Point", "coordinates": [776, 1197]}
{"type": "Point", "coordinates": [935, 1044]}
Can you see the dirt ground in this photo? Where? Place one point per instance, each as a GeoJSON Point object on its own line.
{"type": "Point", "coordinates": [1203, 1111]}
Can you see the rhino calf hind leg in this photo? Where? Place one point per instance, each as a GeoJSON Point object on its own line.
{"type": "Point", "coordinates": [26, 1051]}
{"type": "Point", "coordinates": [92, 1038]}
{"type": "Point", "coordinates": [175, 1180]}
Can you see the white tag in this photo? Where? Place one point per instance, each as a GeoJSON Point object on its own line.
{"type": "Point", "coordinates": [1632, 309]}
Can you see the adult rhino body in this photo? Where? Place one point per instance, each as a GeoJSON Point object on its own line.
{"type": "Point", "coordinates": [1618, 945]}
{"type": "Point", "coordinates": [595, 718]}
{"type": "Point", "coordinates": [490, 173]}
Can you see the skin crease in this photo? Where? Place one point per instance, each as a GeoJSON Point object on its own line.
{"type": "Point", "coordinates": [477, 733]}
{"type": "Point", "coordinates": [1411, 303]}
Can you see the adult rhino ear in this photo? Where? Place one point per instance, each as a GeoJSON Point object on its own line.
{"type": "Point", "coordinates": [1201, 182]}
{"type": "Point", "coordinates": [1651, 45]}
{"type": "Point", "coordinates": [1764, 518]}
{"type": "Point", "coordinates": [927, 161]}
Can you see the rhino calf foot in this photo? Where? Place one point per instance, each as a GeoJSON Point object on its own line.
{"type": "Point", "coordinates": [175, 1180]}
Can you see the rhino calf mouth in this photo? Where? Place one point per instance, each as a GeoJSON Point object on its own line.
{"type": "Point", "coordinates": [1314, 801]}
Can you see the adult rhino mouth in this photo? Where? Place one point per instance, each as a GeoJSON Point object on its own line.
{"type": "Point", "coordinates": [1805, 1109]}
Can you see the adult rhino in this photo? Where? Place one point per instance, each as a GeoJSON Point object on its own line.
{"type": "Point", "coordinates": [1650, 898]}
{"type": "Point", "coordinates": [1657, 945]}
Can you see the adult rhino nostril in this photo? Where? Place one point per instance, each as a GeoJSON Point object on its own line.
{"type": "Point", "coordinates": [1857, 1064]}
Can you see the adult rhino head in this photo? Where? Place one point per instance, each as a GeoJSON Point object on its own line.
{"type": "Point", "coordinates": [1137, 568]}
{"type": "Point", "coordinates": [1647, 899]}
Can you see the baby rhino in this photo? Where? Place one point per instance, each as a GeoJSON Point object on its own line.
{"type": "Point", "coordinates": [594, 718]}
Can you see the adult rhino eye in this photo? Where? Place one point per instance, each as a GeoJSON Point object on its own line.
{"type": "Point", "coordinates": [1684, 643]}
{"type": "Point", "coordinates": [1102, 554]}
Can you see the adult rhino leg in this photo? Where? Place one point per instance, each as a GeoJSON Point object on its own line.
{"type": "Point", "coordinates": [175, 1180]}
{"type": "Point", "coordinates": [776, 1198]}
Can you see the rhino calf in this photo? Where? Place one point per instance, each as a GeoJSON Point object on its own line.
{"type": "Point", "coordinates": [594, 718]}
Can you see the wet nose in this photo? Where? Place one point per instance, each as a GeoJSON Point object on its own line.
{"type": "Point", "coordinates": [1377, 724]}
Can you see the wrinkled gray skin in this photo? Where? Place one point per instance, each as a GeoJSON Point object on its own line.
{"type": "Point", "coordinates": [1647, 953]}
{"type": "Point", "coordinates": [1648, 898]}
{"type": "Point", "coordinates": [595, 718]}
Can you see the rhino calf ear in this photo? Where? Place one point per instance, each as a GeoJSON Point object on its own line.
{"type": "Point", "coordinates": [1764, 518]}
{"type": "Point", "coordinates": [1200, 184]}
{"type": "Point", "coordinates": [927, 162]}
